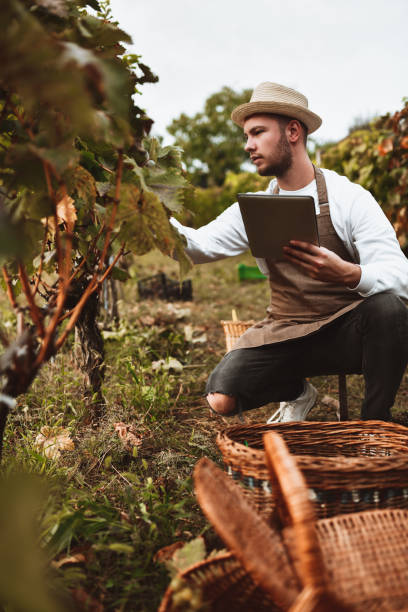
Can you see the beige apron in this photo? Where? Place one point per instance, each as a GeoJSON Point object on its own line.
{"type": "Point", "coordinates": [301, 305]}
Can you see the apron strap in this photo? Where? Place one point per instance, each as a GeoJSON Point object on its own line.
{"type": "Point", "coordinates": [320, 184]}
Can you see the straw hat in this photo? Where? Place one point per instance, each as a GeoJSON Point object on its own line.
{"type": "Point", "coordinates": [280, 100]}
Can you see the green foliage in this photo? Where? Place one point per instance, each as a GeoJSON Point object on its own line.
{"type": "Point", "coordinates": [66, 109]}
{"type": "Point", "coordinates": [163, 174]}
{"type": "Point", "coordinates": [10, 234]}
{"type": "Point", "coordinates": [211, 141]}
{"type": "Point", "coordinates": [377, 158]}
{"type": "Point", "coordinates": [209, 203]}
{"type": "Point", "coordinates": [361, 122]}
{"type": "Point", "coordinates": [80, 181]}
{"type": "Point", "coordinates": [356, 156]}
{"type": "Point", "coordinates": [119, 545]}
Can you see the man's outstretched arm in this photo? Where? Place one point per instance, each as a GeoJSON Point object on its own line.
{"type": "Point", "coordinates": [225, 236]}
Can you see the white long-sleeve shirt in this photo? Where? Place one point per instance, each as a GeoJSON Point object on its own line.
{"type": "Point", "coordinates": [357, 218]}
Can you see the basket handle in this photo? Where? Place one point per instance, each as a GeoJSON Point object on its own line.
{"type": "Point", "coordinates": [256, 545]}
{"type": "Point", "coordinates": [296, 508]}
{"type": "Point", "coordinates": [293, 502]}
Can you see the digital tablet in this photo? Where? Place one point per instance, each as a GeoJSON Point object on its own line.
{"type": "Point", "coordinates": [271, 221]}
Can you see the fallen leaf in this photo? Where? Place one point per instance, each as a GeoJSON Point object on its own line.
{"type": "Point", "coordinates": [191, 334]}
{"type": "Point", "coordinates": [127, 435]}
{"type": "Point", "coordinates": [178, 313]}
{"type": "Point", "coordinates": [171, 314]}
{"type": "Point", "coordinates": [51, 441]}
{"type": "Point", "coordinates": [200, 339]}
{"type": "Point", "coordinates": [167, 364]}
{"type": "Point", "coordinates": [167, 552]}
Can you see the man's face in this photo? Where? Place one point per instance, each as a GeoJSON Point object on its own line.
{"type": "Point", "coordinates": [267, 145]}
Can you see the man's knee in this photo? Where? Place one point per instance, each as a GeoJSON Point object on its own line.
{"type": "Point", "coordinates": [388, 309]}
{"type": "Point", "coordinates": [225, 405]}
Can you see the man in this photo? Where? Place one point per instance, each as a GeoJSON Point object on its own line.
{"type": "Point", "coordinates": [334, 309]}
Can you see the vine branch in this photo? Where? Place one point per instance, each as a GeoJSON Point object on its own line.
{"type": "Point", "coordinates": [34, 310]}
{"type": "Point", "coordinates": [9, 288]}
{"type": "Point", "coordinates": [40, 268]}
{"type": "Point", "coordinates": [93, 286]}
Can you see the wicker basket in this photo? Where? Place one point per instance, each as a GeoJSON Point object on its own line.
{"type": "Point", "coordinates": [359, 561]}
{"type": "Point", "coordinates": [349, 563]}
{"type": "Point", "coordinates": [349, 466]}
{"type": "Point", "coordinates": [233, 330]}
{"type": "Point", "coordinates": [223, 584]}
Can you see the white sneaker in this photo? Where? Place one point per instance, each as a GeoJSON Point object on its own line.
{"type": "Point", "coordinates": [297, 409]}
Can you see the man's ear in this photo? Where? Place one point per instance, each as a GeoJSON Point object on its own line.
{"type": "Point", "coordinates": [294, 131]}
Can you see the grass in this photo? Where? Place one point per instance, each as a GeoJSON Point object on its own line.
{"type": "Point", "coordinates": [107, 510]}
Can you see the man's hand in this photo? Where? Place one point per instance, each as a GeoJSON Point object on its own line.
{"type": "Point", "coordinates": [322, 264]}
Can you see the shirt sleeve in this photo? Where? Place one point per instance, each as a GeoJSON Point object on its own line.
{"type": "Point", "coordinates": [225, 236]}
{"type": "Point", "coordinates": [384, 266]}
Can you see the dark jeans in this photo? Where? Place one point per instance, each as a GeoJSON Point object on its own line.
{"type": "Point", "coordinates": [371, 340]}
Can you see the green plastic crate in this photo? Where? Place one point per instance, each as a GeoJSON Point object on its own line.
{"type": "Point", "coordinates": [249, 273]}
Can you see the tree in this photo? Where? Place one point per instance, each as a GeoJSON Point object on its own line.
{"type": "Point", "coordinates": [211, 141]}
{"type": "Point", "coordinates": [377, 158]}
{"type": "Point", "coordinates": [80, 182]}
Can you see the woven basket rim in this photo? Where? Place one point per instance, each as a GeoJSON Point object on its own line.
{"type": "Point", "coordinates": [328, 424]}
{"type": "Point", "coordinates": [222, 556]}
{"type": "Point", "coordinates": [191, 569]}
{"type": "Point", "coordinates": [397, 462]}
{"type": "Point", "coordinates": [201, 567]}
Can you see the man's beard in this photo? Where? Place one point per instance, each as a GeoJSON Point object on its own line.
{"type": "Point", "coordinates": [283, 161]}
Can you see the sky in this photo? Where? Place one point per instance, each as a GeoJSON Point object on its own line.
{"type": "Point", "coordinates": [348, 57]}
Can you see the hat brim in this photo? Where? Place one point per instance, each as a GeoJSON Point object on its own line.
{"type": "Point", "coordinates": [242, 112]}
